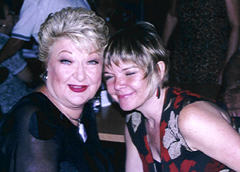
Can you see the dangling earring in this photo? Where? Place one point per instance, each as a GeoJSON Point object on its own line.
{"type": "Point", "coordinates": [158, 92]}
{"type": "Point", "coordinates": [44, 76]}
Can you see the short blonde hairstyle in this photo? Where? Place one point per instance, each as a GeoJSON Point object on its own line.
{"type": "Point", "coordinates": [139, 44]}
{"type": "Point", "coordinates": [82, 26]}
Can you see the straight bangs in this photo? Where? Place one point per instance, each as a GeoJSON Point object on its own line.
{"type": "Point", "coordinates": [127, 52]}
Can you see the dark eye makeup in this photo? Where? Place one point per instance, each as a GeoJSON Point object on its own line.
{"type": "Point", "coordinates": [64, 61]}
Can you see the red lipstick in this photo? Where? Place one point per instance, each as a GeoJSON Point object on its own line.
{"type": "Point", "coordinates": [78, 88]}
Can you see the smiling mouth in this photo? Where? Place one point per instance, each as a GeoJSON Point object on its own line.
{"type": "Point", "coordinates": [78, 88]}
{"type": "Point", "coordinates": [124, 96]}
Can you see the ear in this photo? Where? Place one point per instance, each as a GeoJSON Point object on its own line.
{"type": "Point", "coordinates": [161, 69]}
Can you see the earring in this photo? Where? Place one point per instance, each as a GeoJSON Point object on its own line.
{"type": "Point", "coordinates": [158, 92]}
{"type": "Point", "coordinates": [44, 76]}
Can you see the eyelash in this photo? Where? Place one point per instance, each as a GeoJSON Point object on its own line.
{"type": "Point", "coordinates": [130, 73]}
{"type": "Point", "coordinates": [107, 77]}
{"type": "Point", "coordinates": [69, 62]}
{"type": "Point", "coordinates": [93, 61]}
{"type": "Point", "coordinates": [65, 61]}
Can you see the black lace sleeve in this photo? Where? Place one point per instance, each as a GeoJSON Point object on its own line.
{"type": "Point", "coordinates": [40, 127]}
{"type": "Point", "coordinates": [27, 141]}
{"type": "Point", "coordinates": [35, 136]}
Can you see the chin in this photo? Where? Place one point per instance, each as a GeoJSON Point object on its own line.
{"type": "Point", "coordinates": [126, 107]}
{"type": "Point", "coordinates": [78, 102]}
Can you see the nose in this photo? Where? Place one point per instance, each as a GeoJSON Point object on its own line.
{"type": "Point", "coordinates": [119, 83]}
{"type": "Point", "coordinates": [80, 73]}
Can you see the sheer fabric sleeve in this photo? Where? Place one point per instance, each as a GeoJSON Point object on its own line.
{"type": "Point", "coordinates": [37, 148]}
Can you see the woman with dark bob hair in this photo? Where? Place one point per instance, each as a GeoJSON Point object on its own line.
{"type": "Point", "coordinates": [54, 129]}
{"type": "Point", "coordinates": [167, 129]}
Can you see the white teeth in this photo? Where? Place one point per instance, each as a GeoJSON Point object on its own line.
{"type": "Point", "coordinates": [75, 86]}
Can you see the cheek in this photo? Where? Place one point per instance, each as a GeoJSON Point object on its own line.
{"type": "Point", "coordinates": [140, 85]}
{"type": "Point", "coordinates": [111, 91]}
{"type": "Point", "coordinates": [135, 82]}
{"type": "Point", "coordinates": [57, 75]}
{"type": "Point", "coordinates": [54, 74]}
{"type": "Point", "coordinates": [110, 87]}
{"type": "Point", "coordinates": [95, 75]}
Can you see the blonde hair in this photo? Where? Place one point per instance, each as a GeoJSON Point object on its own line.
{"type": "Point", "coordinates": [139, 44]}
{"type": "Point", "coordinates": [82, 26]}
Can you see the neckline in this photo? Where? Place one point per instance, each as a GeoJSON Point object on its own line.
{"type": "Point", "coordinates": [47, 105]}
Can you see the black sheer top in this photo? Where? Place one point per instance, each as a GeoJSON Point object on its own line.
{"type": "Point", "coordinates": [36, 136]}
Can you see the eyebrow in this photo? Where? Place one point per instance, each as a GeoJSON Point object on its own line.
{"type": "Point", "coordinates": [94, 52]}
{"type": "Point", "coordinates": [124, 69]}
{"type": "Point", "coordinates": [64, 51]}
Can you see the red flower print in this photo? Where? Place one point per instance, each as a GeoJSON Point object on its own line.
{"type": "Point", "coordinates": [187, 164]}
{"type": "Point", "coordinates": [148, 157]}
{"type": "Point", "coordinates": [214, 167]}
{"type": "Point", "coordinates": [179, 97]}
{"type": "Point", "coordinates": [173, 168]}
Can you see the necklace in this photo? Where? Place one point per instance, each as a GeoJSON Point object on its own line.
{"type": "Point", "coordinates": [81, 130]}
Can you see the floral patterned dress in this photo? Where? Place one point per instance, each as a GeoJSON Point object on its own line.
{"type": "Point", "coordinates": [175, 154]}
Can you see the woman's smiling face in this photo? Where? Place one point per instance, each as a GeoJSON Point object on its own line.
{"type": "Point", "coordinates": [126, 85]}
{"type": "Point", "coordinates": [74, 76]}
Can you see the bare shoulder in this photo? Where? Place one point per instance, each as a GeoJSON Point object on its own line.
{"type": "Point", "coordinates": [203, 110]}
{"type": "Point", "coordinates": [205, 127]}
{"type": "Point", "coordinates": [198, 119]}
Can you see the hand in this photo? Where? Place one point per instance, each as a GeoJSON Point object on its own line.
{"type": "Point", "coordinates": [231, 99]}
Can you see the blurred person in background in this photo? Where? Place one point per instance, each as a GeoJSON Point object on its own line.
{"type": "Point", "coordinates": [230, 88]}
{"type": "Point", "coordinates": [32, 14]}
{"type": "Point", "coordinates": [201, 36]}
{"type": "Point", "coordinates": [116, 15]}
{"type": "Point", "coordinates": [16, 79]}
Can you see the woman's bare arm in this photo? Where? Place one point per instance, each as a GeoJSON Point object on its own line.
{"type": "Point", "coordinates": [234, 20]}
{"type": "Point", "coordinates": [133, 161]}
{"type": "Point", "coordinates": [170, 24]}
{"type": "Point", "coordinates": [207, 128]}
{"type": "Point", "coordinates": [10, 48]}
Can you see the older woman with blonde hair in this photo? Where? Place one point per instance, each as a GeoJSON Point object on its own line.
{"type": "Point", "coordinates": [53, 128]}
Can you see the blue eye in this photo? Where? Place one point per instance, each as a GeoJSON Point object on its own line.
{"type": "Point", "coordinates": [93, 62]}
{"type": "Point", "coordinates": [65, 61]}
